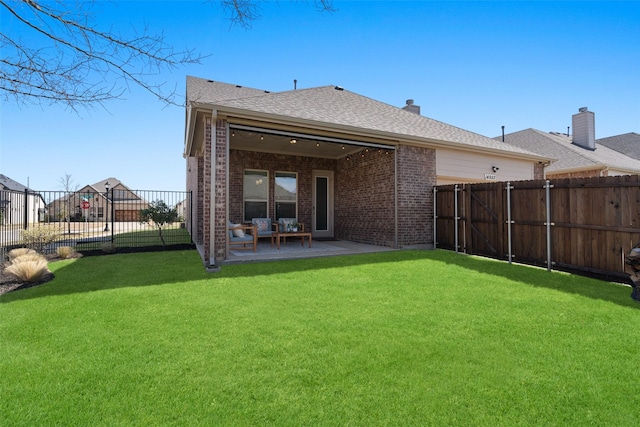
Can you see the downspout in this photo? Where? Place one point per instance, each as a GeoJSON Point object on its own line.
{"type": "Point", "coordinates": [606, 169]}
{"type": "Point", "coordinates": [395, 177]}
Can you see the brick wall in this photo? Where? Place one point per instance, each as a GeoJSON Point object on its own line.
{"type": "Point", "coordinates": [205, 196]}
{"type": "Point", "coordinates": [538, 171]}
{"type": "Point", "coordinates": [416, 179]}
{"type": "Point", "coordinates": [220, 238]}
{"type": "Point", "coordinates": [580, 174]}
{"type": "Point", "coordinates": [364, 198]}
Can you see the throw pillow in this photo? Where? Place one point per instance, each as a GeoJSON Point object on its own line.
{"type": "Point", "coordinates": [263, 224]}
{"type": "Point", "coordinates": [238, 232]}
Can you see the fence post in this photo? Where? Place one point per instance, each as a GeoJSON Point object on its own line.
{"type": "Point", "coordinates": [548, 187]}
{"type": "Point", "coordinates": [113, 212]}
{"type": "Point", "coordinates": [191, 215]}
{"type": "Point", "coordinates": [455, 215]}
{"type": "Point", "coordinates": [435, 217]}
{"type": "Point", "coordinates": [25, 206]}
{"type": "Point", "coordinates": [509, 221]}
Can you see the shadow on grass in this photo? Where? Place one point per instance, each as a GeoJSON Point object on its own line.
{"type": "Point", "coordinates": [617, 293]}
{"type": "Point", "coordinates": [98, 273]}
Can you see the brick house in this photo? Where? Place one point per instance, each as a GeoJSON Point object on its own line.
{"type": "Point", "coordinates": [106, 200]}
{"type": "Point", "coordinates": [579, 155]}
{"type": "Point", "coordinates": [347, 166]}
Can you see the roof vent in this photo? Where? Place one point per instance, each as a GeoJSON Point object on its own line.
{"type": "Point", "coordinates": [339, 88]}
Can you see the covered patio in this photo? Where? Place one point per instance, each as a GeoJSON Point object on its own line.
{"type": "Point", "coordinates": [338, 188]}
{"type": "Point", "coordinates": [294, 250]}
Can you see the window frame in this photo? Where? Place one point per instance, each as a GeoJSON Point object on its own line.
{"type": "Point", "coordinates": [277, 202]}
{"type": "Point", "coordinates": [254, 200]}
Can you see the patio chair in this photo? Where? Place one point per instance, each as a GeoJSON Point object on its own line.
{"type": "Point", "coordinates": [284, 222]}
{"type": "Point", "coordinates": [264, 228]}
{"type": "Point", "coordinates": [242, 236]}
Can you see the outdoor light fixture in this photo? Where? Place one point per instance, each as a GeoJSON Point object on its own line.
{"type": "Point", "coordinates": [495, 169]}
{"type": "Point", "coordinates": [261, 137]}
{"type": "Point", "coordinates": [317, 144]}
{"type": "Point", "coordinates": [343, 147]}
{"type": "Point", "coordinates": [233, 133]}
{"type": "Point", "coordinates": [106, 213]}
{"type": "Point", "coordinates": [293, 141]}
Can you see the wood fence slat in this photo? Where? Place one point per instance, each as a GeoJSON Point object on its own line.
{"type": "Point", "coordinates": [595, 221]}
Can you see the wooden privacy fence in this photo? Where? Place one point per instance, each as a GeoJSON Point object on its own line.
{"type": "Point", "coordinates": [582, 225]}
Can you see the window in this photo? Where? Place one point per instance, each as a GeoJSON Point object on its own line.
{"type": "Point", "coordinates": [286, 195]}
{"type": "Point", "coordinates": [255, 194]}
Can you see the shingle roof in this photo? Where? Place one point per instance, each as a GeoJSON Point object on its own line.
{"type": "Point", "coordinates": [334, 106]}
{"type": "Point", "coordinates": [7, 183]}
{"type": "Point", "coordinates": [627, 143]}
{"type": "Point", "coordinates": [569, 156]}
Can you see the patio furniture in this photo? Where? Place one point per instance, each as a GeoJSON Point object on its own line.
{"type": "Point", "coordinates": [264, 228]}
{"type": "Point", "coordinates": [284, 223]}
{"type": "Point", "coordinates": [283, 236]}
{"type": "Point", "coordinates": [242, 236]}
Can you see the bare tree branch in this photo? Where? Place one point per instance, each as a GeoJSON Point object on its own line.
{"type": "Point", "coordinates": [68, 60]}
{"type": "Point", "coordinates": [64, 58]}
{"type": "Point", "coordinates": [244, 12]}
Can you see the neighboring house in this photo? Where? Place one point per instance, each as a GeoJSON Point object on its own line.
{"type": "Point", "coordinates": [98, 202]}
{"type": "Point", "coordinates": [18, 202]}
{"type": "Point", "coordinates": [579, 155]}
{"type": "Point", "coordinates": [628, 144]}
{"type": "Point", "coordinates": [347, 166]}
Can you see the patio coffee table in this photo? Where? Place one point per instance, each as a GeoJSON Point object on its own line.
{"type": "Point", "coordinates": [284, 235]}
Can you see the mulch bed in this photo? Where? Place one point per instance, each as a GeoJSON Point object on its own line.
{"type": "Point", "coordinates": [9, 283]}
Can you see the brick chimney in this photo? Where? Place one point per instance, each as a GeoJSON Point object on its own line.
{"type": "Point", "coordinates": [584, 129]}
{"type": "Point", "coordinates": [411, 107]}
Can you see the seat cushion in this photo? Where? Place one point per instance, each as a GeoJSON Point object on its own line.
{"type": "Point", "coordinates": [245, 238]}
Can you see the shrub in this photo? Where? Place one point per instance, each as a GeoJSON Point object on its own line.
{"type": "Point", "coordinates": [14, 253]}
{"type": "Point", "coordinates": [28, 257]}
{"type": "Point", "coordinates": [28, 271]}
{"type": "Point", "coordinates": [65, 252]}
{"type": "Point", "coordinates": [108, 248]}
{"type": "Point", "coordinates": [38, 237]}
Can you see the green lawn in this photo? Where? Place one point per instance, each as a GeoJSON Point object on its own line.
{"type": "Point", "coordinates": [401, 338]}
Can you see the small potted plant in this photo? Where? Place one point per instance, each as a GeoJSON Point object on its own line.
{"type": "Point", "coordinates": [294, 226]}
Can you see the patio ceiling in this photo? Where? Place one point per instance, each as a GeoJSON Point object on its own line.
{"type": "Point", "coordinates": [296, 144]}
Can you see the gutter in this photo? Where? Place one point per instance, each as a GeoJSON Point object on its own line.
{"type": "Point", "coordinates": [188, 132]}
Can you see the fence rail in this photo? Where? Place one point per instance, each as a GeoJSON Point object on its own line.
{"type": "Point", "coordinates": [582, 225]}
{"type": "Point", "coordinates": [92, 221]}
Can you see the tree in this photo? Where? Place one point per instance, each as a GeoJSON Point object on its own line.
{"type": "Point", "coordinates": [157, 215]}
{"type": "Point", "coordinates": [66, 59]}
{"type": "Point", "coordinates": [66, 183]}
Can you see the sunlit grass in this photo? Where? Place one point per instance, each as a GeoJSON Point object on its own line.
{"type": "Point", "coordinates": [400, 338]}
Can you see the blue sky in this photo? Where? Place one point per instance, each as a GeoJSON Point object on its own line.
{"type": "Point", "coordinates": [476, 65]}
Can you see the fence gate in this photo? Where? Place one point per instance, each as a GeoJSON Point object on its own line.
{"type": "Point", "coordinates": [483, 216]}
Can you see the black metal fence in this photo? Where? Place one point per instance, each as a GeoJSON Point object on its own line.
{"type": "Point", "coordinates": [116, 220]}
